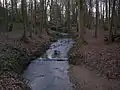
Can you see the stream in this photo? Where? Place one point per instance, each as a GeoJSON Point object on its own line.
{"type": "Point", "coordinates": [50, 71]}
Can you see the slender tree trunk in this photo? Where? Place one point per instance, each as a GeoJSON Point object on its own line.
{"type": "Point", "coordinates": [46, 18]}
{"type": "Point", "coordinates": [109, 14]}
{"type": "Point", "coordinates": [24, 16]}
{"type": "Point", "coordinates": [80, 19]}
{"type": "Point", "coordinates": [119, 15]}
{"type": "Point", "coordinates": [113, 12]}
{"type": "Point", "coordinates": [3, 3]}
{"type": "Point", "coordinates": [103, 14]}
{"type": "Point", "coordinates": [106, 2]}
{"type": "Point", "coordinates": [51, 10]}
{"type": "Point", "coordinates": [90, 14]}
{"type": "Point", "coordinates": [41, 16]}
{"type": "Point", "coordinates": [16, 10]}
{"type": "Point", "coordinates": [96, 28]}
{"type": "Point", "coordinates": [60, 14]}
{"type": "Point", "coordinates": [12, 16]}
{"type": "Point", "coordinates": [73, 12]}
{"type": "Point", "coordinates": [35, 7]}
{"type": "Point", "coordinates": [86, 17]}
{"type": "Point", "coordinates": [6, 16]}
{"type": "Point", "coordinates": [68, 14]}
{"type": "Point", "coordinates": [31, 18]}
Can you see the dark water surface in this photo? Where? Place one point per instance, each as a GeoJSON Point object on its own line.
{"type": "Point", "coordinates": [50, 72]}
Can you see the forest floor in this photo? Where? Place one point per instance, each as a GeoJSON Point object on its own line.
{"type": "Point", "coordinates": [15, 55]}
{"type": "Point", "coordinates": [97, 65]}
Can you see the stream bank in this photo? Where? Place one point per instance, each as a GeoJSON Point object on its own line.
{"type": "Point", "coordinates": [99, 63]}
{"type": "Point", "coordinates": [15, 57]}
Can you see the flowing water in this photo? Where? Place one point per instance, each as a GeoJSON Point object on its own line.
{"type": "Point", "coordinates": [50, 72]}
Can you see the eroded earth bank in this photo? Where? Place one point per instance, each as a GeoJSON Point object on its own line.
{"type": "Point", "coordinates": [95, 65]}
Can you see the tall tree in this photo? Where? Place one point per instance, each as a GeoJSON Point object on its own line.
{"type": "Point", "coordinates": [6, 15]}
{"type": "Point", "coordinates": [68, 14]}
{"type": "Point", "coordinates": [24, 16]}
{"type": "Point", "coordinates": [35, 9]}
{"type": "Point", "coordinates": [90, 13]}
{"type": "Point", "coordinates": [106, 2]}
{"type": "Point", "coordinates": [41, 15]}
{"type": "Point", "coordinates": [73, 12]}
{"type": "Point", "coordinates": [80, 18]}
{"type": "Point", "coordinates": [12, 15]}
{"type": "Point", "coordinates": [30, 17]}
{"type": "Point", "coordinates": [111, 23]}
{"type": "Point", "coordinates": [97, 10]}
{"type": "Point", "coordinates": [118, 14]}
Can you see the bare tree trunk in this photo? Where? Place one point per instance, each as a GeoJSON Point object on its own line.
{"type": "Point", "coordinates": [68, 14]}
{"type": "Point", "coordinates": [24, 16]}
{"type": "Point", "coordinates": [6, 16]}
{"type": "Point", "coordinates": [51, 10]}
{"type": "Point", "coordinates": [96, 28]}
{"type": "Point", "coordinates": [56, 20]}
{"type": "Point", "coordinates": [119, 15]}
{"type": "Point", "coordinates": [12, 16]}
{"type": "Point", "coordinates": [16, 10]}
{"type": "Point", "coordinates": [80, 19]}
{"type": "Point", "coordinates": [73, 12]}
{"type": "Point", "coordinates": [103, 14]}
{"type": "Point", "coordinates": [61, 14]}
{"type": "Point", "coordinates": [31, 18]}
{"type": "Point", "coordinates": [35, 7]}
{"type": "Point", "coordinates": [41, 16]}
{"type": "Point", "coordinates": [106, 2]}
{"type": "Point", "coordinates": [90, 14]}
{"type": "Point", "coordinates": [46, 18]}
{"type": "Point", "coordinates": [109, 9]}
{"type": "Point", "coordinates": [113, 12]}
{"type": "Point", "coordinates": [3, 3]}
{"type": "Point", "coordinates": [86, 17]}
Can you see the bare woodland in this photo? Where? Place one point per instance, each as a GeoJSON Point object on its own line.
{"type": "Point", "coordinates": [93, 24]}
